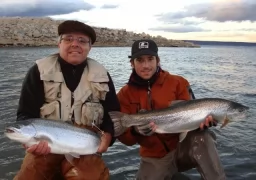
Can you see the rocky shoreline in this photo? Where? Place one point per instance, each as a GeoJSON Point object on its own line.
{"type": "Point", "coordinates": [34, 32]}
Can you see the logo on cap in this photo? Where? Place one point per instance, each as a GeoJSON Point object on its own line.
{"type": "Point", "coordinates": [143, 45]}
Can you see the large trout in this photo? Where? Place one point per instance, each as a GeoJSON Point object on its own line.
{"type": "Point", "coordinates": [181, 117]}
{"type": "Point", "coordinates": [63, 138]}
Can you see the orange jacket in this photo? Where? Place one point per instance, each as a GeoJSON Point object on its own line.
{"type": "Point", "coordinates": [166, 88]}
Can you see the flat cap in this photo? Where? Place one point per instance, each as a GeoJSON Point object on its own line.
{"type": "Point", "coordinates": [71, 26]}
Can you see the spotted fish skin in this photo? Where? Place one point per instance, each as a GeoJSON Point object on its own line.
{"type": "Point", "coordinates": [183, 116]}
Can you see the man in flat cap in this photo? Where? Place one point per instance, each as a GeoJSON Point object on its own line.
{"type": "Point", "coordinates": [68, 86]}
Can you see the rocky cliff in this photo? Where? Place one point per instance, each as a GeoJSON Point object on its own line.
{"type": "Point", "coordinates": [17, 31]}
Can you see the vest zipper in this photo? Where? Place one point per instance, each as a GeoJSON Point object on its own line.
{"type": "Point", "coordinates": [72, 102]}
{"type": "Point", "coordinates": [72, 95]}
{"type": "Point", "coordinates": [151, 107]}
{"type": "Point", "coordinates": [59, 108]}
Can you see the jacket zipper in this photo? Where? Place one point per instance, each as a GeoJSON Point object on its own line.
{"type": "Point", "coordinates": [151, 107]}
{"type": "Point", "coordinates": [149, 96]}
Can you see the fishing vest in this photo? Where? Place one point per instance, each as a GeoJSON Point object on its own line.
{"type": "Point", "coordinates": [92, 88]}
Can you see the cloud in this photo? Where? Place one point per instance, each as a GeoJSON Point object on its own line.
{"type": "Point", "coordinates": [179, 29]}
{"type": "Point", "coordinates": [109, 6]}
{"type": "Point", "coordinates": [38, 8]}
{"type": "Point", "coordinates": [248, 29]}
{"type": "Point", "coordinates": [238, 30]}
{"type": "Point", "coordinates": [183, 22]}
{"type": "Point", "coordinates": [222, 35]}
{"type": "Point", "coordinates": [225, 36]}
{"type": "Point", "coordinates": [242, 10]}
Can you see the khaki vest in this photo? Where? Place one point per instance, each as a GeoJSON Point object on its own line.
{"type": "Point", "coordinates": [92, 88]}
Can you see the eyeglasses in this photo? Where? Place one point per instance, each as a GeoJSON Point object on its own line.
{"type": "Point", "coordinates": [70, 39]}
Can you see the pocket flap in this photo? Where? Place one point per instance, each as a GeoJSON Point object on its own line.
{"type": "Point", "coordinates": [49, 108]}
{"type": "Point", "coordinates": [54, 77]}
{"type": "Point", "coordinates": [101, 86]}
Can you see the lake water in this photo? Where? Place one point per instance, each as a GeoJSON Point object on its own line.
{"type": "Point", "coordinates": [213, 71]}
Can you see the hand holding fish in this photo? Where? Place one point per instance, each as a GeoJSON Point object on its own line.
{"type": "Point", "coordinates": [209, 121]}
{"type": "Point", "coordinates": [105, 142]}
{"type": "Point", "coordinates": [41, 148]}
{"type": "Point", "coordinates": [144, 129]}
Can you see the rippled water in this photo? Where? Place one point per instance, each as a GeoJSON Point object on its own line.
{"type": "Point", "coordinates": [225, 72]}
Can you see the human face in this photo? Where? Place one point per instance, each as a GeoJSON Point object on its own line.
{"type": "Point", "coordinates": [145, 66]}
{"type": "Point", "coordinates": [74, 47]}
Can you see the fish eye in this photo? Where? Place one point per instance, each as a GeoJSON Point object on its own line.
{"type": "Point", "coordinates": [17, 126]}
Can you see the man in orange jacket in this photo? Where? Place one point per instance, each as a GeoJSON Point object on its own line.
{"type": "Point", "coordinates": [150, 87]}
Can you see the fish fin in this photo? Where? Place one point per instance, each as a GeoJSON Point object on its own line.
{"type": "Point", "coordinates": [182, 136]}
{"type": "Point", "coordinates": [98, 154]}
{"type": "Point", "coordinates": [142, 110]}
{"type": "Point", "coordinates": [175, 102]}
{"type": "Point", "coordinates": [75, 155]}
{"type": "Point", "coordinates": [225, 122]}
{"type": "Point", "coordinates": [42, 137]}
{"type": "Point", "coordinates": [69, 158]}
{"type": "Point", "coordinates": [160, 130]}
{"type": "Point", "coordinates": [116, 119]}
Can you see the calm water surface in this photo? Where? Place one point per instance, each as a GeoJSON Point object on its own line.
{"type": "Point", "coordinates": [213, 71]}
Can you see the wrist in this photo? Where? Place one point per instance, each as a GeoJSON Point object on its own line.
{"type": "Point", "coordinates": [107, 138]}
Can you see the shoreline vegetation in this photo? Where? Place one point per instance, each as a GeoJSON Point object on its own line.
{"type": "Point", "coordinates": [42, 32]}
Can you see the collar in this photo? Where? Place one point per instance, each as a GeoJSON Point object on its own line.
{"type": "Point", "coordinates": [136, 80]}
{"type": "Point", "coordinates": [64, 63]}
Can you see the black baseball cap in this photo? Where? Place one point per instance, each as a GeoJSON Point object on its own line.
{"type": "Point", "coordinates": [144, 47]}
{"type": "Point", "coordinates": [70, 26]}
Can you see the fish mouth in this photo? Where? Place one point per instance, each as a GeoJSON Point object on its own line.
{"type": "Point", "coordinates": [15, 134]}
{"type": "Point", "coordinates": [243, 109]}
{"type": "Point", "coordinates": [10, 130]}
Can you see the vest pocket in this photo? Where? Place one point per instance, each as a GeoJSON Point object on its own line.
{"type": "Point", "coordinates": [51, 90]}
{"type": "Point", "coordinates": [99, 90]}
{"type": "Point", "coordinates": [51, 111]}
{"type": "Point", "coordinates": [92, 112]}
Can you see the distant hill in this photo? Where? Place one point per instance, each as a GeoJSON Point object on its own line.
{"type": "Point", "coordinates": [220, 43]}
{"type": "Point", "coordinates": [42, 31]}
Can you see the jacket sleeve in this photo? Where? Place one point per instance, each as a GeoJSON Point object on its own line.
{"type": "Point", "coordinates": [183, 90]}
{"type": "Point", "coordinates": [127, 138]}
{"type": "Point", "coordinates": [192, 96]}
{"type": "Point", "coordinates": [111, 103]}
{"type": "Point", "coordinates": [31, 96]}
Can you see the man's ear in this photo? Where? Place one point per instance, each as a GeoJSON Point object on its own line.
{"type": "Point", "coordinates": [158, 61]}
{"type": "Point", "coordinates": [132, 63]}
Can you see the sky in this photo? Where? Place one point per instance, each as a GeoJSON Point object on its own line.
{"type": "Point", "coordinates": [211, 20]}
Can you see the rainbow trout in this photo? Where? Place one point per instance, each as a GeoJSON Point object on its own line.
{"type": "Point", "coordinates": [63, 138]}
{"type": "Point", "coordinates": [182, 117]}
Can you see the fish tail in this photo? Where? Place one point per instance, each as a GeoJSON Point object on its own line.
{"type": "Point", "coordinates": [116, 119]}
